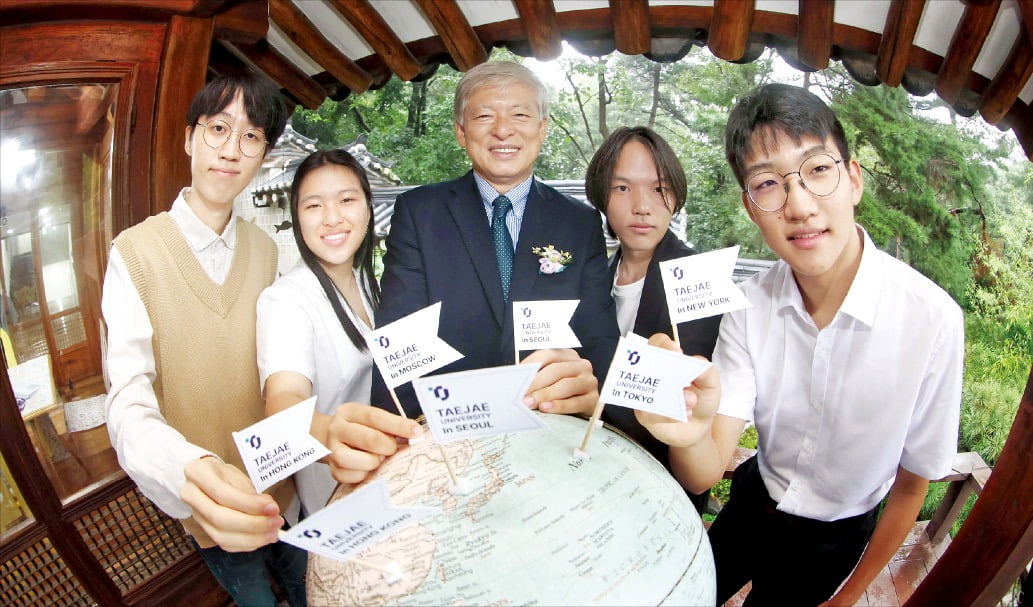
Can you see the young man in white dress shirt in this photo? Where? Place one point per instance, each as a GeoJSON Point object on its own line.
{"type": "Point", "coordinates": [179, 302]}
{"type": "Point", "coordinates": [849, 363]}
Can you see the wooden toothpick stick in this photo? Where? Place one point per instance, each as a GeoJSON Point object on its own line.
{"type": "Point", "coordinates": [592, 422]}
{"type": "Point", "coordinates": [398, 404]}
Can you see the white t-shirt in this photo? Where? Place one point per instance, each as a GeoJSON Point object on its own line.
{"type": "Point", "coordinates": [837, 410]}
{"type": "Point", "coordinates": [299, 332]}
{"type": "Point", "coordinates": [627, 297]}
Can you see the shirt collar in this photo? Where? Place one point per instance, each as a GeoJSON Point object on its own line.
{"type": "Point", "coordinates": [862, 297]}
{"type": "Point", "coordinates": [517, 195]}
{"type": "Point", "coordinates": [197, 234]}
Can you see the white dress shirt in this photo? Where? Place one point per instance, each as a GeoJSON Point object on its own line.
{"type": "Point", "coordinates": [299, 332]}
{"type": "Point", "coordinates": [152, 452]}
{"type": "Point", "coordinates": [838, 409]}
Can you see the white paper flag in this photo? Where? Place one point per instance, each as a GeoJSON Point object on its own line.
{"type": "Point", "coordinates": [544, 324]}
{"type": "Point", "coordinates": [354, 523]}
{"type": "Point", "coordinates": [701, 285]}
{"type": "Point", "coordinates": [649, 378]}
{"type": "Point", "coordinates": [410, 347]}
{"type": "Point", "coordinates": [483, 402]}
{"type": "Point", "coordinates": [279, 445]}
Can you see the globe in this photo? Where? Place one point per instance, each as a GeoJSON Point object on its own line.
{"type": "Point", "coordinates": [536, 526]}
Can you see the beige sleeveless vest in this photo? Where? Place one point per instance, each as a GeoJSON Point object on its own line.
{"type": "Point", "coordinates": [204, 336]}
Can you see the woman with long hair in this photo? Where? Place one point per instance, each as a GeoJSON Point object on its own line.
{"type": "Point", "coordinates": [311, 323]}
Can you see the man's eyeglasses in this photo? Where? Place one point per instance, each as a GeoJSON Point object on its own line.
{"type": "Point", "coordinates": [217, 132]}
{"type": "Point", "coordinates": [819, 175]}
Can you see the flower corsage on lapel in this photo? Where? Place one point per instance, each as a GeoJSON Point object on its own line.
{"type": "Point", "coordinates": [552, 260]}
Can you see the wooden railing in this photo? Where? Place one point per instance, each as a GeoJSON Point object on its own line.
{"type": "Point", "coordinates": [969, 474]}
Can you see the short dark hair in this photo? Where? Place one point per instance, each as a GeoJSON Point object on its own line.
{"type": "Point", "coordinates": [599, 176]}
{"type": "Point", "coordinates": [263, 103]}
{"type": "Point", "coordinates": [363, 256]}
{"type": "Point", "coordinates": [778, 109]}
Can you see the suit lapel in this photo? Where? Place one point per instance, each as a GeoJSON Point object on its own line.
{"type": "Point", "coordinates": [534, 232]}
{"type": "Point", "coordinates": [652, 307]}
{"type": "Point", "coordinates": [467, 211]}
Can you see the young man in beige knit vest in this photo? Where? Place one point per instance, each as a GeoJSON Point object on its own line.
{"type": "Point", "coordinates": [179, 302]}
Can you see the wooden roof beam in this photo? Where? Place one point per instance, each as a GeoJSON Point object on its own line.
{"type": "Point", "coordinates": [730, 25]}
{"type": "Point", "coordinates": [303, 33]}
{"type": "Point", "coordinates": [455, 32]}
{"type": "Point", "coordinates": [1026, 8]}
{"type": "Point", "coordinates": [897, 37]}
{"type": "Point", "coordinates": [814, 33]}
{"type": "Point", "coordinates": [968, 40]}
{"type": "Point", "coordinates": [631, 26]}
{"type": "Point", "coordinates": [543, 33]}
{"type": "Point", "coordinates": [1004, 89]}
{"type": "Point", "coordinates": [246, 21]}
{"type": "Point", "coordinates": [379, 35]}
{"type": "Point", "coordinates": [302, 87]}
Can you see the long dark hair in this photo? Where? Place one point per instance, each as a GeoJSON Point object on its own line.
{"type": "Point", "coordinates": [363, 257]}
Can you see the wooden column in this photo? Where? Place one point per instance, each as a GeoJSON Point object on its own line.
{"type": "Point", "coordinates": [183, 64]}
{"type": "Point", "coordinates": [996, 541]}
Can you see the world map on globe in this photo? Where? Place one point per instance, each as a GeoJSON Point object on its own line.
{"type": "Point", "coordinates": [537, 526]}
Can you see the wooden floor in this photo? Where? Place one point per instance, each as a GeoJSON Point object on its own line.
{"type": "Point", "coordinates": [901, 576]}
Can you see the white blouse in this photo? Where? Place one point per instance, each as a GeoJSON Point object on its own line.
{"type": "Point", "coordinates": [299, 332]}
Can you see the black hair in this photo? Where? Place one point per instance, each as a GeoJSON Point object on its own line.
{"type": "Point", "coordinates": [599, 176]}
{"type": "Point", "coordinates": [363, 256]}
{"type": "Point", "coordinates": [778, 109]}
{"type": "Point", "coordinates": [263, 103]}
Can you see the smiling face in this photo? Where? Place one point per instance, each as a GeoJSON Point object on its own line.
{"type": "Point", "coordinates": [638, 211]}
{"type": "Point", "coordinates": [333, 215]}
{"type": "Point", "coordinates": [502, 133]}
{"type": "Point", "coordinates": [218, 175]}
{"type": "Point", "coordinates": [816, 236]}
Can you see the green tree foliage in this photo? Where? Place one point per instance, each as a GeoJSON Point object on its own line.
{"type": "Point", "coordinates": [409, 124]}
{"type": "Point", "coordinates": [918, 173]}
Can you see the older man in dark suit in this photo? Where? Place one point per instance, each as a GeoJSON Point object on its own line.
{"type": "Point", "coordinates": [477, 244]}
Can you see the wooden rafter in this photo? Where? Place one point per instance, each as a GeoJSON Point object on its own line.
{"type": "Point", "coordinates": [455, 31]}
{"type": "Point", "coordinates": [730, 26]}
{"type": "Point", "coordinates": [968, 40]}
{"type": "Point", "coordinates": [246, 21]}
{"type": "Point", "coordinates": [1026, 8]}
{"type": "Point", "coordinates": [1005, 87]}
{"type": "Point", "coordinates": [306, 90]}
{"type": "Point", "coordinates": [814, 33]}
{"type": "Point", "coordinates": [543, 34]}
{"type": "Point", "coordinates": [379, 35]}
{"type": "Point", "coordinates": [631, 26]}
{"type": "Point", "coordinates": [303, 33]}
{"type": "Point", "coordinates": [897, 37]}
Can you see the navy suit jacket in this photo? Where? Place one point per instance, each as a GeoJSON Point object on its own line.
{"type": "Point", "coordinates": [440, 249]}
{"type": "Point", "coordinates": [696, 337]}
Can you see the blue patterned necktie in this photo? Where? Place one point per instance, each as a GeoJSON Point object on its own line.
{"type": "Point", "coordinates": [503, 242]}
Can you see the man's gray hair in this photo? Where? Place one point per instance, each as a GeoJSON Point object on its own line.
{"type": "Point", "coordinates": [492, 74]}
